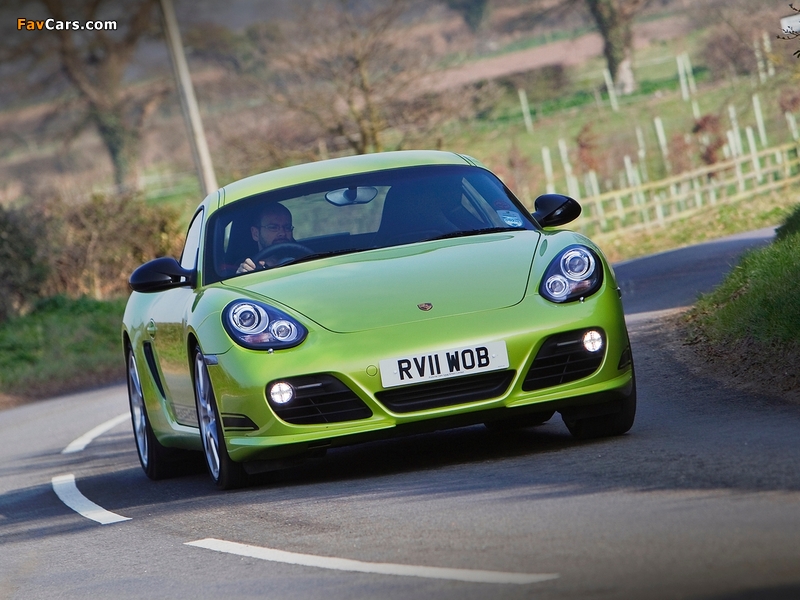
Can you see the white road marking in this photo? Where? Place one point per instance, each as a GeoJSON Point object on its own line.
{"type": "Point", "coordinates": [80, 443]}
{"type": "Point", "coordinates": [65, 488]}
{"type": "Point", "coordinates": [345, 564]}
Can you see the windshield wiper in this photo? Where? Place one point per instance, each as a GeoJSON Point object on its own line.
{"type": "Point", "coordinates": [456, 234]}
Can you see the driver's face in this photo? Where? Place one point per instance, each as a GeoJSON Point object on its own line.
{"type": "Point", "coordinates": [274, 229]}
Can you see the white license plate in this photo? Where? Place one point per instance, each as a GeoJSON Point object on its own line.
{"type": "Point", "coordinates": [407, 370]}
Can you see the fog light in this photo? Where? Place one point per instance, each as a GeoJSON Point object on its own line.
{"type": "Point", "coordinates": [592, 341]}
{"type": "Point", "coordinates": [281, 392]}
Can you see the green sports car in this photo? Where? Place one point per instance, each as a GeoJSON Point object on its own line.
{"type": "Point", "coordinates": [363, 297]}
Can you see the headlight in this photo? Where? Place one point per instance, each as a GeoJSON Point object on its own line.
{"type": "Point", "coordinates": [573, 274]}
{"type": "Point", "coordinates": [259, 326]}
{"type": "Point", "coordinates": [248, 318]}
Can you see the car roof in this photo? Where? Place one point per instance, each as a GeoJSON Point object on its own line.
{"type": "Point", "coordinates": [336, 167]}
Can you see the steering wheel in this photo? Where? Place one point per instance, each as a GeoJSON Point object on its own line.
{"type": "Point", "coordinates": [289, 250]}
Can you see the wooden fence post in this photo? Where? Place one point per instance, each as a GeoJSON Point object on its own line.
{"type": "Point", "coordinates": [642, 154]}
{"type": "Point", "coordinates": [762, 71]}
{"type": "Point", "coordinates": [762, 131]}
{"type": "Point", "coordinates": [792, 122]}
{"type": "Point", "coordinates": [612, 92]}
{"type": "Point", "coordinates": [662, 142]}
{"type": "Point", "coordinates": [751, 140]}
{"type": "Point", "coordinates": [682, 78]}
{"type": "Point", "coordinates": [526, 110]}
{"type": "Point", "coordinates": [737, 136]}
{"type": "Point", "coordinates": [548, 170]}
{"type": "Point", "coordinates": [768, 53]}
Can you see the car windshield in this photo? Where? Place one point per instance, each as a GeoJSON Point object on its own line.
{"type": "Point", "coordinates": [358, 213]}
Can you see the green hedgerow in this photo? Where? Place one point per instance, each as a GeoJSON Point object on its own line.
{"type": "Point", "coordinates": [758, 301]}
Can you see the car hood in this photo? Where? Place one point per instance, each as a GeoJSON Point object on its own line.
{"type": "Point", "coordinates": [392, 286]}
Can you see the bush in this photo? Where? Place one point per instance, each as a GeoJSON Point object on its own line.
{"type": "Point", "coordinates": [22, 269]}
{"type": "Point", "coordinates": [727, 53]}
{"type": "Point", "coordinates": [759, 301]}
{"type": "Point", "coordinates": [790, 226]}
{"type": "Point", "coordinates": [93, 247]}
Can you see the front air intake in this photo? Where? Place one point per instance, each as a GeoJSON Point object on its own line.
{"type": "Point", "coordinates": [561, 359]}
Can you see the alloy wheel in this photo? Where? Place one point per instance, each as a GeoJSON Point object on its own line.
{"type": "Point", "coordinates": [138, 414]}
{"type": "Point", "coordinates": [207, 415]}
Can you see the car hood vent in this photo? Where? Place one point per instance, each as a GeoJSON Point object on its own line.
{"type": "Point", "coordinates": [393, 286]}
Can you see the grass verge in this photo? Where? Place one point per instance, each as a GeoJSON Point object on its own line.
{"type": "Point", "coordinates": [746, 329]}
{"type": "Point", "coordinates": [63, 345]}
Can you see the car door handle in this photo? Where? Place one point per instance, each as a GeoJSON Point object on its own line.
{"type": "Point", "coordinates": [151, 328]}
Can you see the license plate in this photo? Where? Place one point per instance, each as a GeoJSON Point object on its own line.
{"type": "Point", "coordinates": [442, 364]}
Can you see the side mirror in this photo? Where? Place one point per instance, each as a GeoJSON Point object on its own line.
{"type": "Point", "coordinates": [160, 274]}
{"type": "Point", "coordinates": [552, 210]}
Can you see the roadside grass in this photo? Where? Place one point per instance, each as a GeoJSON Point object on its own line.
{"type": "Point", "coordinates": [746, 328]}
{"type": "Point", "coordinates": [62, 345]}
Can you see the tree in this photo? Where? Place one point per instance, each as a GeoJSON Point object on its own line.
{"type": "Point", "coordinates": [345, 69]}
{"type": "Point", "coordinates": [93, 63]}
{"type": "Point", "coordinates": [473, 11]}
{"type": "Point", "coordinates": [22, 267]}
{"type": "Point", "coordinates": [614, 19]}
{"type": "Point", "coordinates": [351, 72]}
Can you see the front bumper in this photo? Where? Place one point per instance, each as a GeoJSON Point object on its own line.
{"type": "Point", "coordinates": [255, 432]}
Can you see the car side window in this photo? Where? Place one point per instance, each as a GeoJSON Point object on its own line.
{"type": "Point", "coordinates": [192, 245]}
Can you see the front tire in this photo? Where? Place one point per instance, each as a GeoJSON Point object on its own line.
{"type": "Point", "coordinates": [614, 424]}
{"type": "Point", "coordinates": [157, 461]}
{"type": "Point", "coordinates": [225, 472]}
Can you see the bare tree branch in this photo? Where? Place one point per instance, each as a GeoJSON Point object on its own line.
{"type": "Point", "coordinates": [94, 63]}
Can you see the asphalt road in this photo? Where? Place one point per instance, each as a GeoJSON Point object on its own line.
{"type": "Point", "coordinates": [699, 500]}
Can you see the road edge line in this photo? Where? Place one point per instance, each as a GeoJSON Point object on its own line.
{"type": "Point", "coordinates": [346, 564]}
{"type": "Point", "coordinates": [80, 443]}
{"type": "Point", "coordinates": [66, 490]}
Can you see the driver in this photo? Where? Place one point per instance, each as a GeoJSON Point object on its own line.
{"type": "Point", "coordinates": [275, 227]}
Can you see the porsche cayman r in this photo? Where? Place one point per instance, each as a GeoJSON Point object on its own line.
{"type": "Point", "coordinates": [362, 297]}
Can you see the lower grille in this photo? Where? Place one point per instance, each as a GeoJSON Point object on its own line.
{"type": "Point", "coordinates": [320, 399]}
{"type": "Point", "coordinates": [562, 359]}
{"type": "Point", "coordinates": [448, 392]}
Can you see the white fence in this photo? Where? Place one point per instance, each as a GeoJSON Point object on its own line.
{"type": "Point", "coordinates": [656, 203]}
